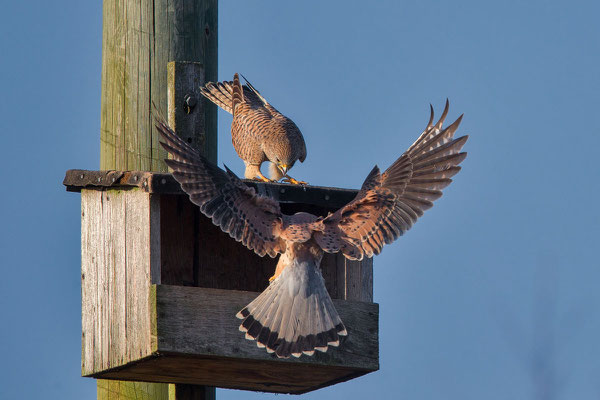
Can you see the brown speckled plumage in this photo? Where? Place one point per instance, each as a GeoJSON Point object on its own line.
{"type": "Point", "coordinates": [295, 315]}
{"type": "Point", "coordinates": [259, 132]}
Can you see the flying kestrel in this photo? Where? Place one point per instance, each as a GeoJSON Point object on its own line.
{"type": "Point", "coordinates": [259, 132]}
{"type": "Point", "coordinates": [294, 315]}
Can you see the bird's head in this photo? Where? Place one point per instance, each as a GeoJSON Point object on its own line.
{"type": "Point", "coordinates": [284, 165]}
{"type": "Point", "coordinates": [282, 157]}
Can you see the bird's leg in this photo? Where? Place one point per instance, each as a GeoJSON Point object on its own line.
{"type": "Point", "coordinates": [280, 266]}
{"type": "Point", "coordinates": [276, 174]}
{"type": "Point", "coordinates": [253, 172]}
{"type": "Point", "coordinates": [262, 178]}
{"type": "Point", "coordinates": [289, 179]}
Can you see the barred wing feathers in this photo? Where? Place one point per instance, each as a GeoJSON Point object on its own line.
{"type": "Point", "coordinates": [389, 204]}
{"type": "Point", "coordinates": [251, 219]}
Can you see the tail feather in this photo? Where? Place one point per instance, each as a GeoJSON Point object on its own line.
{"type": "Point", "coordinates": [238, 93]}
{"type": "Point", "coordinates": [258, 309]}
{"type": "Point", "coordinates": [219, 93]}
{"type": "Point", "coordinates": [294, 315]}
{"type": "Point", "coordinates": [222, 94]}
{"type": "Point", "coordinates": [256, 92]}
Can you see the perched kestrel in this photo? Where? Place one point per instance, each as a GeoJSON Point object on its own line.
{"type": "Point", "coordinates": [295, 315]}
{"type": "Point", "coordinates": [259, 132]}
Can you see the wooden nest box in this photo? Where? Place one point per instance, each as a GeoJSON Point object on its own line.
{"type": "Point", "coordinates": [161, 286]}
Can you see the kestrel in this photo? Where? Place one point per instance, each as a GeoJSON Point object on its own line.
{"type": "Point", "coordinates": [259, 132]}
{"type": "Point", "coordinates": [294, 315]}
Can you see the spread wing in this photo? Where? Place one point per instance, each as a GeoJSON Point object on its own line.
{"type": "Point", "coordinates": [247, 217]}
{"type": "Point", "coordinates": [388, 204]}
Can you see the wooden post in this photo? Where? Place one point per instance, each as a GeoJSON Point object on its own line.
{"type": "Point", "coordinates": [139, 38]}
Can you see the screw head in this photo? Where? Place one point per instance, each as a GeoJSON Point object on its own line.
{"type": "Point", "coordinates": [190, 102]}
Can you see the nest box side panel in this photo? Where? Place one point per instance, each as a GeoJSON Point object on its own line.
{"type": "Point", "coordinates": [347, 279]}
{"type": "Point", "coordinates": [195, 252]}
{"type": "Point", "coordinates": [178, 248]}
{"type": "Point", "coordinates": [197, 327]}
{"type": "Point", "coordinates": [224, 263]}
{"type": "Point", "coordinates": [119, 228]}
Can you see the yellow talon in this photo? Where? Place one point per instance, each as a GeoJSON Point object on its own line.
{"type": "Point", "coordinates": [278, 270]}
{"type": "Point", "coordinates": [289, 179]}
{"type": "Point", "coordinates": [262, 178]}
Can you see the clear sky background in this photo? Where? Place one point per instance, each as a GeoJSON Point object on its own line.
{"type": "Point", "coordinates": [492, 295]}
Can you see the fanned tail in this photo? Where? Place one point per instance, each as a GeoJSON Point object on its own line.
{"type": "Point", "coordinates": [222, 94]}
{"type": "Point", "coordinates": [219, 93]}
{"type": "Point", "coordinates": [294, 315]}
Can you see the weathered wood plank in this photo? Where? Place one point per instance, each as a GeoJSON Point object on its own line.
{"type": "Point", "coordinates": [155, 238]}
{"type": "Point", "coordinates": [355, 278]}
{"type": "Point", "coordinates": [223, 263]}
{"type": "Point", "coordinates": [317, 199]}
{"type": "Point", "coordinates": [186, 113]}
{"type": "Point", "coordinates": [139, 39]}
{"type": "Point", "coordinates": [253, 375]}
{"type": "Point", "coordinates": [178, 240]}
{"type": "Point", "coordinates": [117, 390]}
{"type": "Point", "coordinates": [202, 322]}
{"type": "Point", "coordinates": [197, 342]}
{"type": "Point", "coordinates": [114, 206]}
{"type": "Point", "coordinates": [116, 274]}
{"type": "Point", "coordinates": [132, 238]}
{"type": "Point", "coordinates": [90, 261]}
{"type": "Point", "coordinates": [366, 270]}
{"type": "Point", "coordinates": [138, 266]}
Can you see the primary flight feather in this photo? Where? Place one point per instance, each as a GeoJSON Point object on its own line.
{"type": "Point", "coordinates": [295, 314]}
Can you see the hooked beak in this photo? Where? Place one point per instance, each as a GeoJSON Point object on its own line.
{"type": "Point", "coordinates": [283, 168]}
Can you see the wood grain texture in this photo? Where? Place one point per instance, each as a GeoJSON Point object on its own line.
{"type": "Point", "coordinates": [117, 265]}
{"type": "Point", "coordinates": [197, 342]}
{"type": "Point", "coordinates": [139, 39]}
{"type": "Point", "coordinates": [201, 321]}
{"type": "Point", "coordinates": [185, 106]}
{"type": "Point", "coordinates": [346, 279]}
{"type": "Point", "coordinates": [132, 238]}
{"type": "Point", "coordinates": [118, 390]}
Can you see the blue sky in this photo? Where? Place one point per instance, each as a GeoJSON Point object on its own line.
{"type": "Point", "coordinates": [493, 294]}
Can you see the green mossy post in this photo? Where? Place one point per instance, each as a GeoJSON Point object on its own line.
{"type": "Point", "coordinates": [139, 39]}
